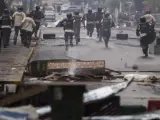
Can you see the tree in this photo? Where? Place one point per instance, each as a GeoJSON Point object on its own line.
{"type": "Point", "coordinates": [112, 4]}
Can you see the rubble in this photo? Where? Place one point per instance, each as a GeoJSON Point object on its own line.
{"type": "Point", "coordinates": [108, 74]}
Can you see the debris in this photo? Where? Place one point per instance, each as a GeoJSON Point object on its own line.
{"type": "Point", "coordinates": [135, 67]}
{"type": "Point", "coordinates": [13, 68]}
{"type": "Point", "coordinates": [137, 77]}
{"type": "Point", "coordinates": [83, 76]}
{"type": "Point", "coordinates": [33, 79]}
{"type": "Point", "coordinates": [19, 113]}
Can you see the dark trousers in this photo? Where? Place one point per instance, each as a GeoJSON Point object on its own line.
{"type": "Point", "coordinates": [68, 36]}
{"type": "Point", "coordinates": [26, 37]}
{"type": "Point", "coordinates": [5, 35]}
{"type": "Point", "coordinates": [36, 28]}
{"type": "Point", "coordinates": [99, 31]}
{"type": "Point", "coordinates": [90, 29]}
{"type": "Point", "coordinates": [146, 40]}
{"type": "Point", "coordinates": [98, 26]}
{"type": "Point", "coordinates": [16, 29]}
{"type": "Point", "coordinates": [77, 33]}
{"type": "Point", "coordinates": [106, 35]}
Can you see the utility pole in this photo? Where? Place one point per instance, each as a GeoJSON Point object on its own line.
{"type": "Point", "coordinates": [154, 6]}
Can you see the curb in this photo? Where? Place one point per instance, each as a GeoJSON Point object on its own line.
{"type": "Point", "coordinates": [29, 57]}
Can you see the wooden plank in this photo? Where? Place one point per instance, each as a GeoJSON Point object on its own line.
{"type": "Point", "coordinates": [10, 99]}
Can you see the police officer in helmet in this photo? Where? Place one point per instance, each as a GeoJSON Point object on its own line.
{"type": "Point", "coordinates": [89, 17]}
{"type": "Point", "coordinates": [37, 15]}
{"type": "Point", "coordinates": [77, 26]}
{"type": "Point", "coordinates": [98, 19]}
{"type": "Point", "coordinates": [6, 23]}
{"type": "Point", "coordinates": [68, 29]}
{"type": "Point", "coordinates": [106, 26]}
{"type": "Point", "coordinates": [147, 34]}
{"type": "Point", "coordinates": [18, 17]}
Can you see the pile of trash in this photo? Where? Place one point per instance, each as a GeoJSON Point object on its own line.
{"type": "Point", "coordinates": [145, 80]}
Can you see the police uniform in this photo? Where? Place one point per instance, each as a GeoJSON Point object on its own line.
{"type": "Point", "coordinates": [89, 17]}
{"type": "Point", "coordinates": [68, 30]}
{"type": "Point", "coordinates": [18, 17]}
{"type": "Point", "coordinates": [106, 27]}
{"type": "Point", "coordinates": [77, 26]}
{"type": "Point", "coordinates": [27, 27]}
{"type": "Point", "coordinates": [98, 19]}
{"type": "Point", "coordinates": [37, 16]}
{"type": "Point", "coordinates": [6, 22]}
{"type": "Point", "coordinates": [147, 35]}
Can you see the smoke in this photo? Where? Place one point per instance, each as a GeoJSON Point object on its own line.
{"type": "Point", "coordinates": [73, 66]}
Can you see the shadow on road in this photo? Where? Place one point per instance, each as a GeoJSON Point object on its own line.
{"type": "Point", "coordinates": [129, 45]}
{"type": "Point", "coordinates": [146, 58]}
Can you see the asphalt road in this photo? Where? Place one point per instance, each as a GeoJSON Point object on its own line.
{"type": "Point", "coordinates": [121, 54]}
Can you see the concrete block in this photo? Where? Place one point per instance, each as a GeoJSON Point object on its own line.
{"type": "Point", "coordinates": [49, 36]}
{"type": "Point", "coordinates": [154, 49]}
{"type": "Point", "coordinates": [122, 36]}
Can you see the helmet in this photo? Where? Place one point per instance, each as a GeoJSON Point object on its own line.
{"type": "Point", "coordinates": [107, 15]}
{"type": "Point", "coordinates": [76, 13]}
{"type": "Point", "coordinates": [99, 10]}
{"type": "Point", "coordinates": [90, 11]}
{"type": "Point", "coordinates": [6, 11]}
{"type": "Point", "coordinates": [37, 8]}
{"type": "Point", "coordinates": [148, 12]}
{"type": "Point", "coordinates": [69, 15]}
{"type": "Point", "coordinates": [142, 19]}
{"type": "Point", "coordinates": [20, 8]}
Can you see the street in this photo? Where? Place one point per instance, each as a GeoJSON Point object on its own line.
{"type": "Point", "coordinates": [121, 54]}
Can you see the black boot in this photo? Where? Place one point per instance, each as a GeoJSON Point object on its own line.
{"type": "Point", "coordinates": [88, 33]}
{"type": "Point", "coordinates": [145, 52]}
{"type": "Point", "coordinates": [15, 40]}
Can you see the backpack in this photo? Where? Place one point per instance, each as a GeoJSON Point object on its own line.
{"type": "Point", "coordinates": [90, 17]}
{"type": "Point", "coordinates": [37, 15]}
{"type": "Point", "coordinates": [77, 19]}
{"type": "Point", "coordinates": [107, 23]}
{"type": "Point", "coordinates": [144, 27]}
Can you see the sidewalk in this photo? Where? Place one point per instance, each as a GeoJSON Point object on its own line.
{"type": "Point", "coordinates": [13, 61]}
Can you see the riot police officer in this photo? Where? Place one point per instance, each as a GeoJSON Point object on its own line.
{"type": "Point", "coordinates": [147, 34]}
{"type": "Point", "coordinates": [98, 19]}
{"type": "Point", "coordinates": [106, 27]}
{"type": "Point", "coordinates": [6, 23]}
{"type": "Point", "coordinates": [68, 30]}
{"type": "Point", "coordinates": [37, 15]}
{"type": "Point", "coordinates": [18, 17]}
{"type": "Point", "coordinates": [89, 18]}
{"type": "Point", "coordinates": [77, 26]}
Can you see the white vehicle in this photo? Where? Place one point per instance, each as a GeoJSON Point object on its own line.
{"type": "Point", "coordinates": [72, 8]}
{"type": "Point", "coordinates": [49, 8]}
{"type": "Point", "coordinates": [49, 15]}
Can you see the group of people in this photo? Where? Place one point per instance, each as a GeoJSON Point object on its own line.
{"type": "Point", "coordinates": [24, 24]}
{"type": "Point", "coordinates": [102, 21]}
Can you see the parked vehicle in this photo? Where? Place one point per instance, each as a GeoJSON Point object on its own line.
{"type": "Point", "coordinates": [72, 8]}
{"type": "Point", "coordinates": [49, 15]}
